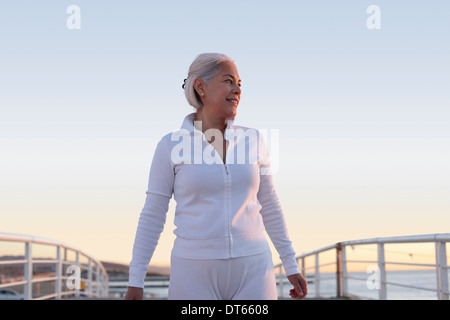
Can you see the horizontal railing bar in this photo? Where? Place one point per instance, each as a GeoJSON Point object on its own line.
{"type": "Point", "coordinates": [305, 255]}
{"type": "Point", "coordinates": [49, 296]}
{"type": "Point", "coordinates": [360, 297]}
{"type": "Point", "coordinates": [44, 279]}
{"type": "Point", "coordinates": [323, 293]}
{"type": "Point", "coordinates": [393, 284]}
{"type": "Point", "coordinates": [354, 278]}
{"type": "Point", "coordinates": [3, 262]}
{"type": "Point", "coordinates": [412, 264]}
{"type": "Point", "coordinates": [326, 264]}
{"type": "Point", "coordinates": [320, 265]}
{"type": "Point", "coordinates": [6, 262]}
{"type": "Point", "coordinates": [409, 286]}
{"type": "Point", "coordinates": [311, 267]}
{"type": "Point", "coordinates": [82, 279]}
{"type": "Point", "coordinates": [13, 284]}
{"type": "Point", "coordinates": [327, 278]}
{"type": "Point", "coordinates": [393, 262]}
{"type": "Point", "coordinates": [44, 261]}
{"type": "Point", "coordinates": [74, 261]}
{"type": "Point", "coordinates": [362, 261]}
{"type": "Point", "coordinates": [440, 237]}
{"type": "Point", "coordinates": [38, 240]}
{"type": "Point", "coordinates": [67, 293]}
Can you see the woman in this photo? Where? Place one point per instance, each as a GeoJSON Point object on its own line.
{"type": "Point", "coordinates": [224, 206]}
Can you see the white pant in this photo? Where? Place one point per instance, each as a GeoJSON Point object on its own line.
{"type": "Point", "coordinates": [243, 278]}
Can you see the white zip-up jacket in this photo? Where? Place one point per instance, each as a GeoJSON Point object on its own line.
{"type": "Point", "coordinates": [224, 209]}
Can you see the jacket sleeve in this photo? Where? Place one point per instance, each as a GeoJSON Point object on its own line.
{"type": "Point", "coordinates": [272, 214]}
{"type": "Point", "coordinates": [153, 215]}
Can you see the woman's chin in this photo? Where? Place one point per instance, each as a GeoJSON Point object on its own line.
{"type": "Point", "coordinates": [233, 111]}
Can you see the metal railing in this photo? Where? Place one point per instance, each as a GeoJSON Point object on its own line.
{"type": "Point", "coordinates": [40, 268]}
{"type": "Point", "coordinates": [375, 280]}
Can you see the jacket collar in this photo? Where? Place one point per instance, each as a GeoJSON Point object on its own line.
{"type": "Point", "coordinates": [188, 123]}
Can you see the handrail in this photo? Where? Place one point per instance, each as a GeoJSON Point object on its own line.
{"type": "Point", "coordinates": [88, 278]}
{"type": "Point", "coordinates": [342, 275]}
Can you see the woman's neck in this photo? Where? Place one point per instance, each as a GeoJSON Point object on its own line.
{"type": "Point", "coordinates": [209, 121]}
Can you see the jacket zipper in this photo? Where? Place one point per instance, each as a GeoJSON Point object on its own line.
{"type": "Point", "coordinates": [228, 208]}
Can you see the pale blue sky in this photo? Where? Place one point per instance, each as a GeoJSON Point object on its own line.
{"type": "Point", "coordinates": [364, 115]}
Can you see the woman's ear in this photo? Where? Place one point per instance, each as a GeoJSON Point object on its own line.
{"type": "Point", "coordinates": [199, 86]}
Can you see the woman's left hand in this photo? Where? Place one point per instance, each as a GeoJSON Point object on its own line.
{"type": "Point", "coordinates": [300, 289]}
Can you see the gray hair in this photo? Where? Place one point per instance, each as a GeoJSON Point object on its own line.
{"type": "Point", "coordinates": [205, 67]}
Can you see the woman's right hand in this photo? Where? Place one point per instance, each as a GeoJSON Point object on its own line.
{"type": "Point", "coordinates": [134, 293]}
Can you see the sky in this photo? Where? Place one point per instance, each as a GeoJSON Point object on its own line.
{"type": "Point", "coordinates": [363, 113]}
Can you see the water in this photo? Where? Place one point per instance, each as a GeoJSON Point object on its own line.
{"type": "Point", "coordinates": [361, 288]}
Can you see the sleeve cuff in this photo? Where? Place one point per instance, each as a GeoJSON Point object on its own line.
{"type": "Point", "coordinates": [136, 276]}
{"type": "Point", "coordinates": [290, 266]}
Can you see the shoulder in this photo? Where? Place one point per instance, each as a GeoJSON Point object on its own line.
{"type": "Point", "coordinates": [175, 137]}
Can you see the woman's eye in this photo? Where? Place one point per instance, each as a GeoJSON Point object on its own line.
{"type": "Point", "coordinates": [231, 81]}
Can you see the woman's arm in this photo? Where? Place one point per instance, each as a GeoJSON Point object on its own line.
{"type": "Point", "coordinates": [275, 224]}
{"type": "Point", "coordinates": [153, 215]}
{"type": "Point", "coordinates": [276, 228]}
{"type": "Point", "coordinates": [151, 224]}
{"type": "Point", "coordinates": [272, 213]}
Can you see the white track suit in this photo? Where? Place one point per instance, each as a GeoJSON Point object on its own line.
{"type": "Point", "coordinates": [243, 278]}
{"type": "Point", "coordinates": [223, 211]}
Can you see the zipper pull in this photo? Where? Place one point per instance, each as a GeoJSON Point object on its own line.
{"type": "Point", "coordinates": [226, 169]}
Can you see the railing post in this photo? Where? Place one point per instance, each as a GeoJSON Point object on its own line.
{"type": "Point", "coordinates": [28, 272]}
{"type": "Point", "coordinates": [89, 286]}
{"type": "Point", "coordinates": [98, 279]}
{"type": "Point", "coordinates": [77, 262]}
{"type": "Point", "coordinates": [58, 272]}
{"type": "Point", "coordinates": [317, 276]}
{"type": "Point", "coordinates": [303, 267]}
{"type": "Point", "coordinates": [338, 270]}
{"type": "Point", "coordinates": [344, 271]}
{"type": "Point", "coordinates": [382, 267]}
{"type": "Point", "coordinates": [441, 271]}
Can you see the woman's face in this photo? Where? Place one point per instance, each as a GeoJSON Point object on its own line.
{"type": "Point", "coordinates": [223, 92]}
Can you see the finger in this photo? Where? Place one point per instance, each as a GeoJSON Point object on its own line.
{"type": "Point", "coordinates": [298, 288]}
{"type": "Point", "coordinates": [293, 293]}
{"type": "Point", "coordinates": [304, 286]}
